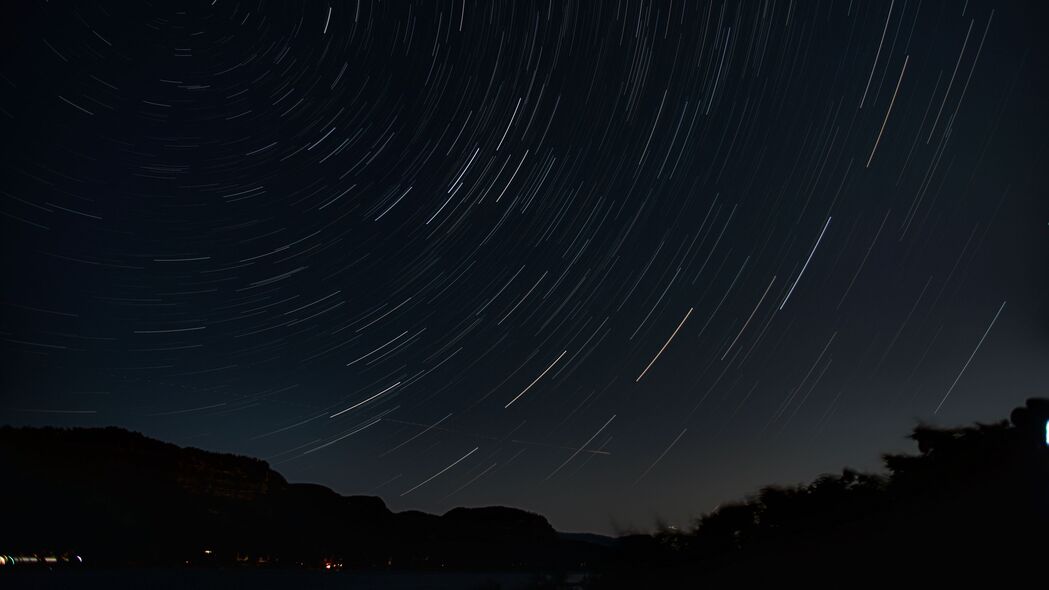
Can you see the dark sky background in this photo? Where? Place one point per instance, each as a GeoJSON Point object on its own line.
{"type": "Point", "coordinates": [608, 261]}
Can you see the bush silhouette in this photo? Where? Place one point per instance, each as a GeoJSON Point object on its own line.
{"type": "Point", "coordinates": [973, 500]}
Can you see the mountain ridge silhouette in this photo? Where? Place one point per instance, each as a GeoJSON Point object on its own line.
{"type": "Point", "coordinates": [97, 490]}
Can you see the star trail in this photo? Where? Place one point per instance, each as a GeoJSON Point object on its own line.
{"type": "Point", "coordinates": [609, 261]}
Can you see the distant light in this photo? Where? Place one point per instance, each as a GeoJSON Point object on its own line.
{"type": "Point", "coordinates": [207, 552]}
{"type": "Point", "coordinates": [1047, 432]}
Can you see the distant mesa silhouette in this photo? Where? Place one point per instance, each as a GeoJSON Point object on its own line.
{"type": "Point", "coordinates": [116, 497]}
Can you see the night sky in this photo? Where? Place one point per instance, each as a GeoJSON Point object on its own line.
{"type": "Point", "coordinates": [609, 261]}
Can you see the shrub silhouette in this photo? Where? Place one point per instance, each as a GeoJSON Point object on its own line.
{"type": "Point", "coordinates": [974, 499]}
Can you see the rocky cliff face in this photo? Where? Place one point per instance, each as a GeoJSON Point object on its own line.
{"type": "Point", "coordinates": [239, 478]}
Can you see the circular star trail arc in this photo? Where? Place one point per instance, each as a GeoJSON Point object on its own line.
{"type": "Point", "coordinates": [603, 260]}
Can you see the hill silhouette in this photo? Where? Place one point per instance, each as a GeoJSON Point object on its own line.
{"type": "Point", "coordinates": [119, 498]}
{"type": "Point", "coordinates": [973, 500]}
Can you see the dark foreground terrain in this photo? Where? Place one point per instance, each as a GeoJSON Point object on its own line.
{"type": "Point", "coordinates": [113, 508]}
{"type": "Point", "coordinates": [273, 579]}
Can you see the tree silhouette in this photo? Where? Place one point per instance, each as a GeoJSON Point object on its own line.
{"type": "Point", "coordinates": [974, 499]}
